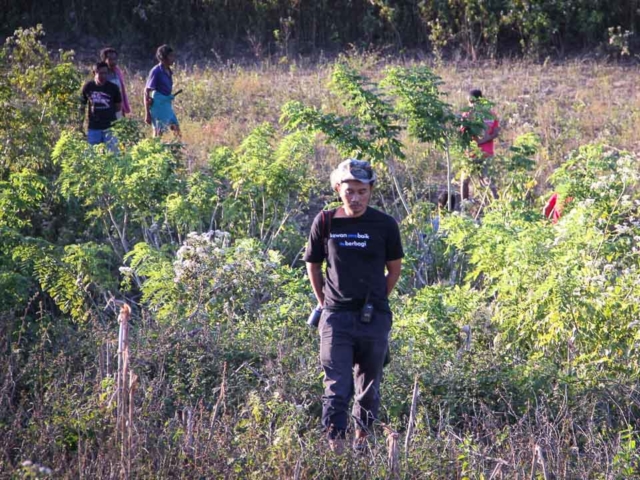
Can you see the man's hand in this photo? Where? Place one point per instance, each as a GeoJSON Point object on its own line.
{"type": "Point", "coordinates": [314, 270]}
{"type": "Point", "coordinates": [82, 113]}
{"type": "Point", "coordinates": [482, 140]}
{"type": "Point", "coordinates": [489, 134]}
{"type": "Point", "coordinates": [393, 274]}
{"type": "Point", "coordinates": [146, 98]}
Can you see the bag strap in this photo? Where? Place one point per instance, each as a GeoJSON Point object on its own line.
{"type": "Point", "coordinates": [327, 215]}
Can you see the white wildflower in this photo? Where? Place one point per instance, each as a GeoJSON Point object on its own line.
{"type": "Point", "coordinates": [622, 229]}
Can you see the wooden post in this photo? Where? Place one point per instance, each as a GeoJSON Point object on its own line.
{"type": "Point", "coordinates": [123, 386]}
{"type": "Point", "coordinates": [133, 385]}
{"type": "Point", "coordinates": [448, 157]}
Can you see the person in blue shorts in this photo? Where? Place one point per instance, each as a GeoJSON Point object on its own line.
{"type": "Point", "coordinates": [158, 96]}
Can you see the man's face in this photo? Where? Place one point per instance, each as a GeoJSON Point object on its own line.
{"type": "Point", "coordinates": [169, 59]}
{"type": "Point", "coordinates": [355, 196]}
{"type": "Point", "coordinates": [100, 75]}
{"type": "Point", "coordinates": [111, 59]}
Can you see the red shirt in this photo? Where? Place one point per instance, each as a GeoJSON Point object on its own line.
{"type": "Point", "coordinates": [491, 125]}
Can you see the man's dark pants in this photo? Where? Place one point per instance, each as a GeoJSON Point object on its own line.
{"type": "Point", "coordinates": [352, 349]}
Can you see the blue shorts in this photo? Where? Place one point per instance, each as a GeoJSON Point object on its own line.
{"type": "Point", "coordinates": [96, 137]}
{"type": "Point", "coordinates": [162, 114]}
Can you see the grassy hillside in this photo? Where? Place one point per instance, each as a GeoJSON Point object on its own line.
{"type": "Point", "coordinates": [566, 104]}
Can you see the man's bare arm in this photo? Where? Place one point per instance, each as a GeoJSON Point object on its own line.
{"type": "Point", "coordinates": [314, 271]}
{"type": "Point", "coordinates": [393, 274]}
{"type": "Point", "coordinates": [82, 112]}
{"type": "Point", "coordinates": [147, 100]}
{"type": "Point", "coordinates": [487, 137]}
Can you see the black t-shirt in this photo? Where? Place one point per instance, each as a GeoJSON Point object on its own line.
{"type": "Point", "coordinates": [359, 249]}
{"type": "Point", "coordinates": [102, 101]}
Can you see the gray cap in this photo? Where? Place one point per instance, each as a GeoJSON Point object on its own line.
{"type": "Point", "coordinates": [352, 169]}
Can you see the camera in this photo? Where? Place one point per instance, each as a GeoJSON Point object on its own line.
{"type": "Point", "coordinates": [367, 313]}
{"type": "Point", "coordinates": [314, 318]}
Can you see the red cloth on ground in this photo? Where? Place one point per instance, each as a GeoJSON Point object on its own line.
{"type": "Point", "coordinates": [552, 209]}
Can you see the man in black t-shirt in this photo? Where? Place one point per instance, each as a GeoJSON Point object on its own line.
{"type": "Point", "coordinates": [358, 243]}
{"type": "Point", "coordinates": [104, 101]}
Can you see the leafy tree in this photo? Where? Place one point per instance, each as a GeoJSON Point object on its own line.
{"type": "Point", "coordinates": [20, 198]}
{"type": "Point", "coordinates": [38, 97]}
{"type": "Point", "coordinates": [429, 118]}
{"type": "Point", "coordinates": [268, 182]}
{"type": "Point", "coordinates": [38, 94]}
{"type": "Point", "coordinates": [117, 189]}
{"type": "Point", "coordinates": [369, 131]}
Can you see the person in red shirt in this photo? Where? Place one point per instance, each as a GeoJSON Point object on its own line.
{"type": "Point", "coordinates": [485, 144]}
{"type": "Point", "coordinates": [109, 56]}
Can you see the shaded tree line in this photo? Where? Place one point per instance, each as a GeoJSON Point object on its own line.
{"type": "Point", "coordinates": [475, 28]}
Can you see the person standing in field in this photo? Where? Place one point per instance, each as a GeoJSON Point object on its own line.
{"type": "Point", "coordinates": [485, 143]}
{"type": "Point", "coordinates": [158, 97]}
{"type": "Point", "coordinates": [358, 244]}
{"type": "Point", "coordinates": [444, 205]}
{"type": "Point", "coordinates": [104, 101]}
{"type": "Point", "coordinates": [110, 57]}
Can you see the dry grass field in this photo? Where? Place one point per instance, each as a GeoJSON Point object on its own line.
{"type": "Point", "coordinates": [567, 104]}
